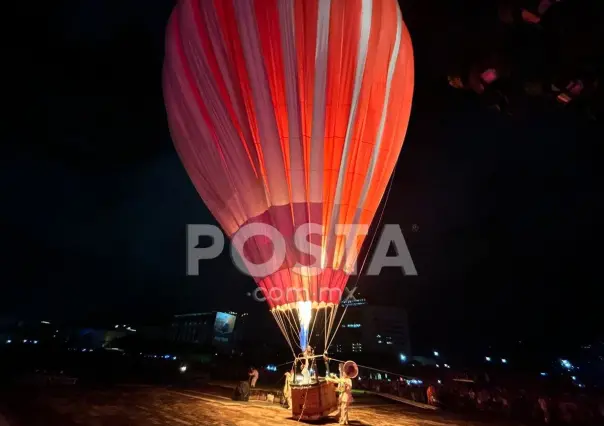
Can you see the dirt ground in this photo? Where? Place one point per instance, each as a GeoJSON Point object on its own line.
{"type": "Point", "coordinates": [138, 406]}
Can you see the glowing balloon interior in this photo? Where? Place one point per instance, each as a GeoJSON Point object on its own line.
{"type": "Point", "coordinates": [288, 113]}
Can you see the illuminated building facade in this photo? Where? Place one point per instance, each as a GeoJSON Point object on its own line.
{"type": "Point", "coordinates": [372, 329]}
{"type": "Point", "coordinates": [208, 328]}
{"type": "Point", "coordinates": [193, 328]}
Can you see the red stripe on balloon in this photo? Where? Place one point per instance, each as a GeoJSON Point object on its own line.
{"type": "Point", "coordinates": [228, 22]}
{"type": "Point", "coordinates": [210, 58]}
{"type": "Point", "coordinates": [195, 90]}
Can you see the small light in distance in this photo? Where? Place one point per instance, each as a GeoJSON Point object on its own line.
{"type": "Point", "coordinates": [543, 374]}
{"type": "Point", "coordinates": [436, 353]}
{"type": "Point", "coordinates": [437, 366]}
{"type": "Point", "coordinates": [403, 357]}
{"type": "Point", "coordinates": [573, 377]}
{"type": "Point", "coordinates": [504, 361]}
{"type": "Point", "coordinates": [440, 382]}
{"type": "Point", "coordinates": [183, 368]}
{"type": "Point", "coordinates": [9, 341]}
{"type": "Point", "coordinates": [447, 366]}
{"type": "Point", "coordinates": [35, 342]}
{"type": "Point", "coordinates": [487, 358]}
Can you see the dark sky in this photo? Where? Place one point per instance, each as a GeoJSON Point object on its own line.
{"type": "Point", "coordinates": [95, 201]}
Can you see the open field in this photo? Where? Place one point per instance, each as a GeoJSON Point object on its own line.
{"type": "Point", "coordinates": [138, 406]}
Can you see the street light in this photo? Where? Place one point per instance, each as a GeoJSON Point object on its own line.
{"type": "Point", "coordinates": [436, 353]}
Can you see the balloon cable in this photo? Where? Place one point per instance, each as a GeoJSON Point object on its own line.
{"type": "Point", "coordinates": [375, 369]}
{"type": "Point", "coordinates": [295, 330]}
{"type": "Point", "coordinates": [281, 325]}
{"type": "Point", "coordinates": [366, 254]}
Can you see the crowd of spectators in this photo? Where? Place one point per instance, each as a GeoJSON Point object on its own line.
{"type": "Point", "coordinates": [518, 404]}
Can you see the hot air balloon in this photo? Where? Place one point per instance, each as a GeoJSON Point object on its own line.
{"type": "Point", "coordinates": [289, 117]}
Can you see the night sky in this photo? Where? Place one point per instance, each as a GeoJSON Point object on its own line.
{"type": "Point", "coordinates": [95, 201]}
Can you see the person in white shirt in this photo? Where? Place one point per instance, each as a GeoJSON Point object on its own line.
{"type": "Point", "coordinates": [345, 398]}
{"type": "Point", "coordinates": [305, 373]}
{"type": "Point", "coordinates": [253, 373]}
{"type": "Point", "coordinates": [287, 388]}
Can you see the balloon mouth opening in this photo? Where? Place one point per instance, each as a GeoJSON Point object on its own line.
{"type": "Point", "coordinates": [294, 306]}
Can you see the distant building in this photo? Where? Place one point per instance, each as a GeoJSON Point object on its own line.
{"type": "Point", "coordinates": [425, 360]}
{"type": "Point", "coordinates": [354, 302]}
{"type": "Point", "coordinates": [372, 329]}
{"type": "Point", "coordinates": [90, 338]}
{"type": "Point", "coordinates": [193, 328]}
{"type": "Point", "coordinates": [29, 331]}
{"type": "Point", "coordinates": [113, 335]}
{"type": "Point", "coordinates": [209, 329]}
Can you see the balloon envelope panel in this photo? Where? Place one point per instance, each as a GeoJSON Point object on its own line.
{"type": "Point", "coordinates": [287, 113]}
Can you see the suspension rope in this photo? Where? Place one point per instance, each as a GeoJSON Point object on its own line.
{"type": "Point", "coordinates": [292, 327]}
{"type": "Point", "coordinates": [277, 319]}
{"type": "Point", "coordinates": [338, 327]}
{"type": "Point", "coordinates": [284, 326]}
{"type": "Point", "coordinates": [318, 326]}
{"type": "Point", "coordinates": [375, 369]}
{"type": "Point", "coordinates": [281, 325]}
{"type": "Point", "coordinates": [342, 361]}
{"type": "Point", "coordinates": [368, 250]}
{"type": "Point", "coordinates": [325, 329]}
{"type": "Point", "coordinates": [288, 327]}
{"type": "Point", "coordinates": [332, 317]}
{"type": "Point", "coordinates": [295, 329]}
{"type": "Point", "coordinates": [304, 404]}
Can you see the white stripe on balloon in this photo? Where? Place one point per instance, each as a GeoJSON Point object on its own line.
{"type": "Point", "coordinates": [378, 141]}
{"type": "Point", "coordinates": [320, 92]}
{"type": "Point", "coordinates": [366, 12]}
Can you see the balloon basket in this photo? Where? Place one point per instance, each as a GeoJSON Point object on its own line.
{"type": "Point", "coordinates": [314, 401]}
